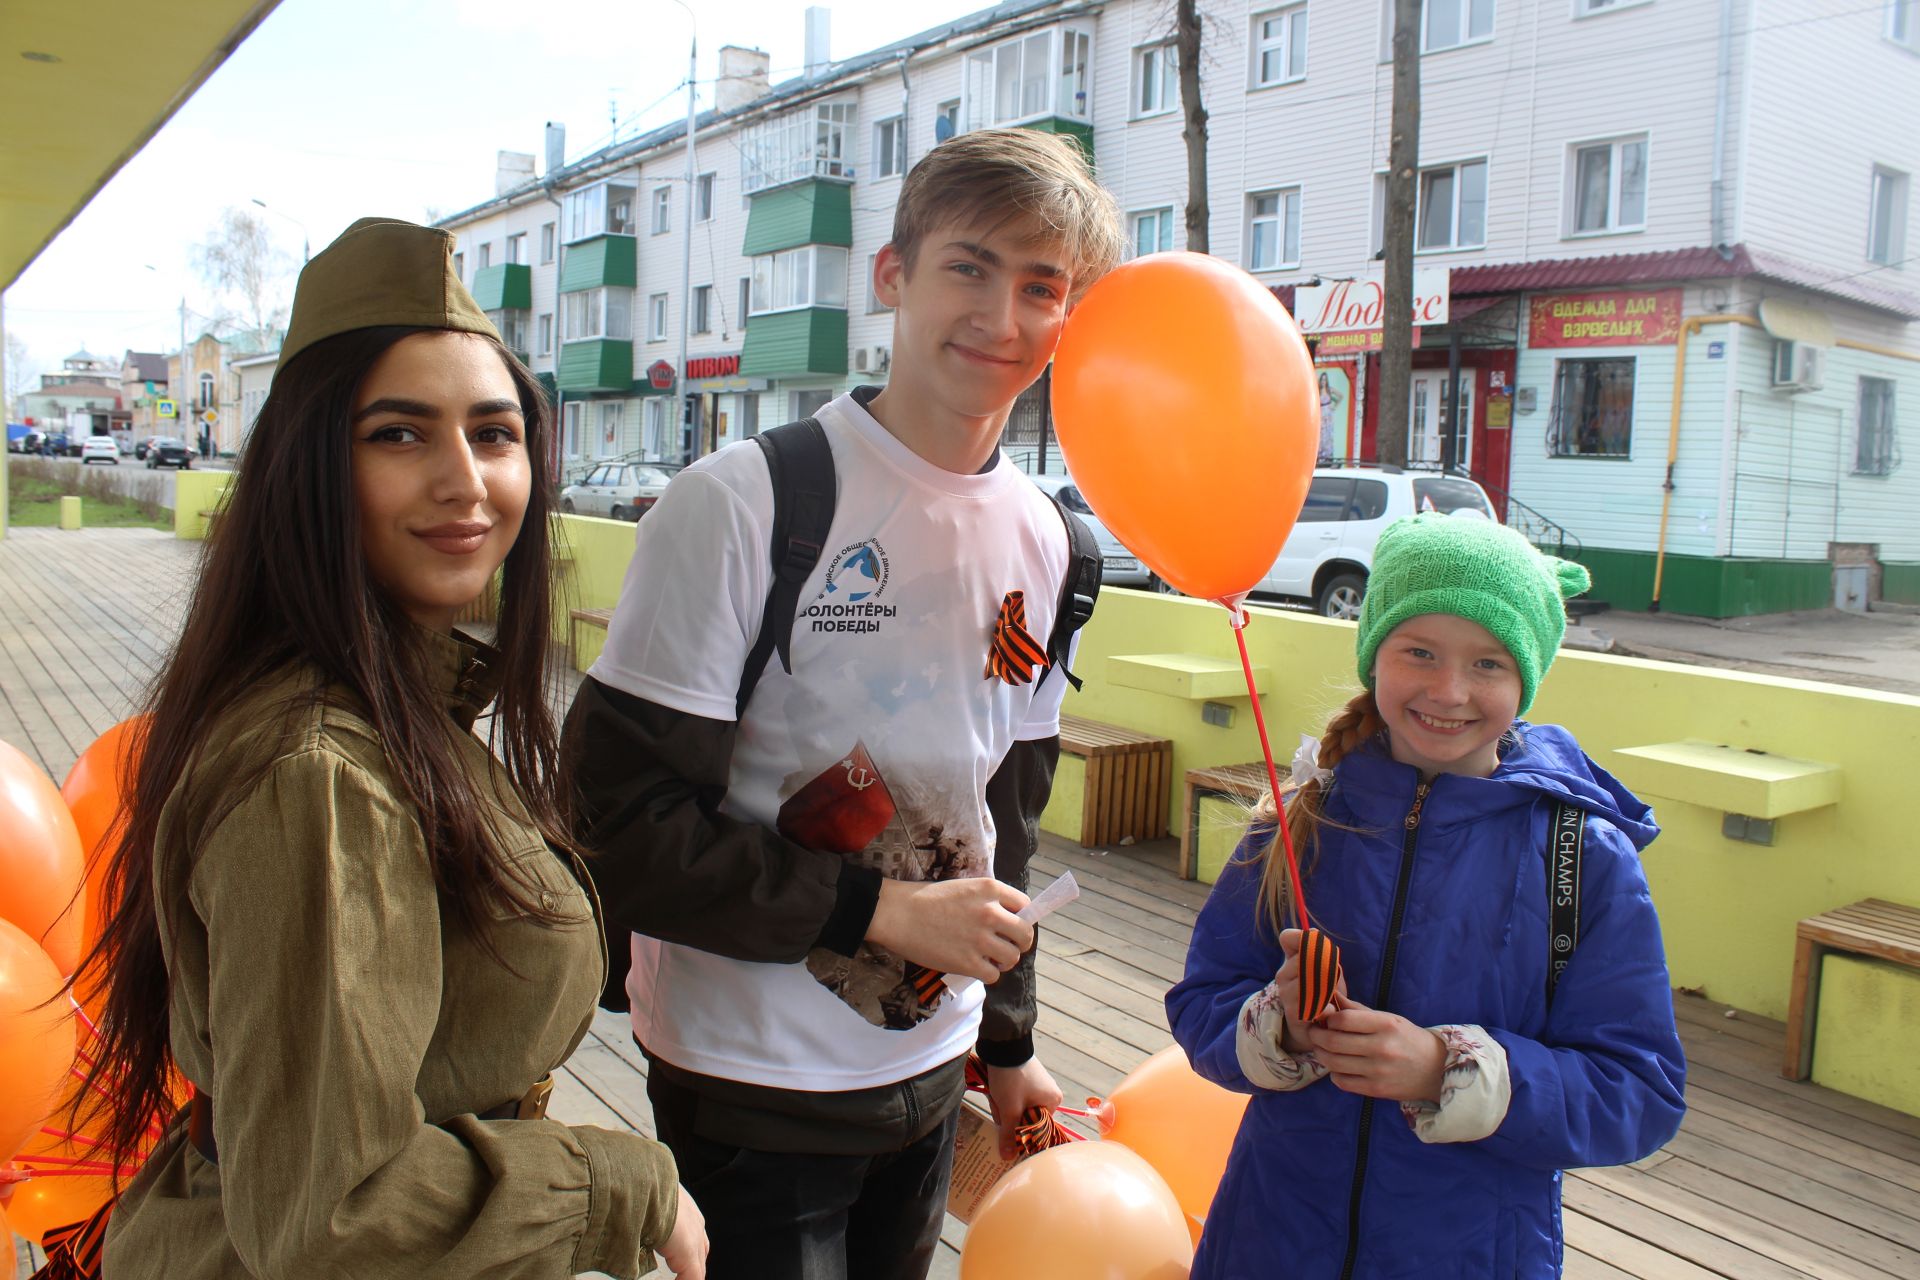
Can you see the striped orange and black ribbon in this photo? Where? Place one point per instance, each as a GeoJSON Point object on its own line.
{"type": "Point", "coordinates": [1319, 970]}
{"type": "Point", "coordinates": [928, 985]}
{"type": "Point", "coordinates": [1014, 654]}
{"type": "Point", "coordinates": [73, 1252]}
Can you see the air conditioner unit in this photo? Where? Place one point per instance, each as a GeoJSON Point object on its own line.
{"type": "Point", "coordinates": [882, 357]}
{"type": "Point", "coordinates": [860, 357]}
{"type": "Point", "coordinates": [1798, 366]}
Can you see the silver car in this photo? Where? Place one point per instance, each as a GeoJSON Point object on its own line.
{"type": "Point", "coordinates": [618, 490]}
{"type": "Point", "coordinates": [1119, 566]}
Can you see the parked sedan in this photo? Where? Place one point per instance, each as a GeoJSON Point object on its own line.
{"type": "Point", "coordinates": [166, 451]}
{"type": "Point", "coordinates": [99, 449]}
{"type": "Point", "coordinates": [618, 490]}
{"type": "Point", "coordinates": [1119, 566]}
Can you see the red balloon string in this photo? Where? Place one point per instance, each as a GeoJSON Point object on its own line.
{"type": "Point", "coordinates": [1273, 775]}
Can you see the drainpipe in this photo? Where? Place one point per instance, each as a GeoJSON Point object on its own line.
{"type": "Point", "coordinates": [558, 447]}
{"type": "Point", "coordinates": [1719, 186]}
{"type": "Point", "coordinates": [1687, 328]}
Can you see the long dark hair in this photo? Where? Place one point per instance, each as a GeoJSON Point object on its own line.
{"type": "Point", "coordinates": [284, 585]}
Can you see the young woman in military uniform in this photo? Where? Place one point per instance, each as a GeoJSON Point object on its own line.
{"type": "Point", "coordinates": [352, 928]}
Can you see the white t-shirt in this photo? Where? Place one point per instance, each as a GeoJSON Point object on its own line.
{"type": "Point", "coordinates": [890, 686]}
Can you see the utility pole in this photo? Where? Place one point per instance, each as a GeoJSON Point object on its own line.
{"type": "Point", "coordinates": [1187, 51]}
{"type": "Point", "coordinates": [1403, 174]}
{"type": "Point", "coordinates": [686, 253]}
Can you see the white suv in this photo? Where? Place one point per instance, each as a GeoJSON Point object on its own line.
{"type": "Point", "coordinates": [1330, 551]}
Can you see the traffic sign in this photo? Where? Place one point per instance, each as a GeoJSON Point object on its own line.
{"type": "Point", "coordinates": [167, 409]}
{"type": "Point", "coordinates": [209, 417]}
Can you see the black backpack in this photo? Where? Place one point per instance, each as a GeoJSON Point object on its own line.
{"type": "Point", "coordinates": [800, 464]}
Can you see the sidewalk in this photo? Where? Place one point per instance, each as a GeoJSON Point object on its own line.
{"type": "Point", "coordinates": [1879, 650]}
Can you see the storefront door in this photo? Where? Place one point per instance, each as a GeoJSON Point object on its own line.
{"type": "Point", "coordinates": [1428, 427]}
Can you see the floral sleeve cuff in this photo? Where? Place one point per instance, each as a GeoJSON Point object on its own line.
{"type": "Point", "coordinates": [1474, 1090]}
{"type": "Point", "coordinates": [1262, 1059]}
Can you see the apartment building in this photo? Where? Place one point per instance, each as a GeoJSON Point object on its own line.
{"type": "Point", "coordinates": [1662, 251]}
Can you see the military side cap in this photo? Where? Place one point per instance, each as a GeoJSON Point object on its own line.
{"type": "Point", "coordinates": [381, 271]}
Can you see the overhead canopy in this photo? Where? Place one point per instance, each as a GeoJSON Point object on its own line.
{"type": "Point", "coordinates": [83, 86]}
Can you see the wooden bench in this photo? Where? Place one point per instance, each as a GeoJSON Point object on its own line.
{"type": "Point", "coordinates": [1244, 782]}
{"type": "Point", "coordinates": [1129, 779]}
{"type": "Point", "coordinates": [592, 618]}
{"type": "Point", "coordinates": [1874, 928]}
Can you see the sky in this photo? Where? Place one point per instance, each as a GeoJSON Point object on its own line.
{"type": "Point", "coordinates": [338, 109]}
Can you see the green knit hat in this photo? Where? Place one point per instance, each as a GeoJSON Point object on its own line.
{"type": "Point", "coordinates": [1473, 569]}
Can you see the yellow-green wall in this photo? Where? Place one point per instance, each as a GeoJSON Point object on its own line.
{"type": "Point", "coordinates": [1867, 1038]}
{"type": "Point", "coordinates": [592, 556]}
{"type": "Point", "coordinates": [195, 492]}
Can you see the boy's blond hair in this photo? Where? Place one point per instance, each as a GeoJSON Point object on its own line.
{"type": "Point", "coordinates": [992, 177]}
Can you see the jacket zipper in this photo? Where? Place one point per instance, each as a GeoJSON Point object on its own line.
{"type": "Point", "coordinates": [913, 1107]}
{"type": "Point", "coordinates": [1381, 995]}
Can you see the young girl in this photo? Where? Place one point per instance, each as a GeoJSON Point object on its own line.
{"type": "Point", "coordinates": [350, 927]}
{"type": "Point", "coordinates": [1419, 1127]}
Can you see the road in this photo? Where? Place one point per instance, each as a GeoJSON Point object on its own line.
{"type": "Point", "coordinates": [131, 477]}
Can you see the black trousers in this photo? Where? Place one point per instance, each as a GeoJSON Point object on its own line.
{"type": "Point", "coordinates": [780, 1216]}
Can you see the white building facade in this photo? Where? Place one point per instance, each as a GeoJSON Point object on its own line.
{"type": "Point", "coordinates": [1674, 247]}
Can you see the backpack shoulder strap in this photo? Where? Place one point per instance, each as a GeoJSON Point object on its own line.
{"type": "Point", "coordinates": [800, 465]}
{"type": "Point", "coordinates": [1565, 840]}
{"type": "Point", "coordinates": [1079, 590]}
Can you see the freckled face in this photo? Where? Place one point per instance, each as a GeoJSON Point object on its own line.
{"type": "Point", "coordinates": [441, 474]}
{"type": "Point", "coordinates": [1447, 690]}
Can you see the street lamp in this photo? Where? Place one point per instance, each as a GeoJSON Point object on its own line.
{"type": "Point", "coordinates": [686, 232]}
{"type": "Point", "coordinates": [304, 240]}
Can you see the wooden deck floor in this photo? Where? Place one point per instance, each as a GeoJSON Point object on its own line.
{"type": "Point", "coordinates": [1767, 1179]}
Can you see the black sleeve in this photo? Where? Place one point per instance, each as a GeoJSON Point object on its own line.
{"type": "Point", "coordinates": [648, 781]}
{"type": "Point", "coordinates": [1016, 794]}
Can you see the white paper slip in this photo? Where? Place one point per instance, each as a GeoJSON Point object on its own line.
{"type": "Point", "coordinates": [1038, 908]}
{"type": "Point", "coordinates": [977, 1163]}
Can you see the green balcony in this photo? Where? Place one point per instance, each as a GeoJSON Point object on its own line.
{"type": "Point", "coordinates": [598, 364]}
{"type": "Point", "coordinates": [789, 343]}
{"type": "Point", "coordinates": [600, 263]}
{"type": "Point", "coordinates": [787, 217]}
{"type": "Point", "coordinates": [507, 287]}
{"type": "Point", "coordinates": [1079, 132]}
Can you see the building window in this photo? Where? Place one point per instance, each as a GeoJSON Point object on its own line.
{"type": "Point", "coordinates": [703, 308]}
{"type": "Point", "coordinates": [1450, 23]}
{"type": "Point", "coordinates": [1609, 187]}
{"type": "Point", "coordinates": [1156, 80]}
{"type": "Point", "coordinates": [808, 143]}
{"type": "Point", "coordinates": [604, 209]}
{"type": "Point", "coordinates": [517, 249]}
{"type": "Point", "coordinates": [655, 413]}
{"type": "Point", "coordinates": [1452, 210]}
{"type": "Point", "coordinates": [1903, 22]}
{"type": "Point", "coordinates": [485, 256]}
{"type": "Point", "coordinates": [460, 267]}
{"type": "Point", "coordinates": [1152, 232]}
{"type": "Point", "coordinates": [547, 230]}
{"type": "Point", "coordinates": [703, 198]}
{"type": "Point", "coordinates": [662, 210]}
{"type": "Point", "coordinates": [657, 317]}
{"type": "Point", "coordinates": [607, 442]}
{"type": "Point", "coordinates": [1874, 452]}
{"type": "Point", "coordinates": [890, 147]}
{"type": "Point", "coordinates": [1273, 230]}
{"type": "Point", "coordinates": [1887, 217]}
{"type": "Point", "coordinates": [570, 428]}
{"type": "Point", "coordinates": [544, 330]}
{"type": "Point", "coordinates": [596, 313]}
{"type": "Point", "coordinates": [1043, 73]}
{"type": "Point", "coordinates": [206, 391]}
{"type": "Point", "coordinates": [512, 327]}
{"type": "Point", "coordinates": [1279, 46]}
{"type": "Point", "coordinates": [948, 111]}
{"type": "Point", "coordinates": [813, 275]}
{"type": "Point", "coordinates": [874, 305]}
{"type": "Point", "coordinates": [1592, 409]}
{"type": "Point", "coordinates": [746, 299]}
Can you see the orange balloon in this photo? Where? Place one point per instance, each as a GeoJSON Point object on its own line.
{"type": "Point", "coordinates": [40, 1204]}
{"type": "Point", "coordinates": [92, 793]}
{"type": "Point", "coordinates": [41, 868]}
{"type": "Point", "coordinates": [1180, 1124]}
{"type": "Point", "coordinates": [1186, 407]}
{"type": "Point", "coordinates": [36, 1037]}
{"type": "Point", "coordinates": [1082, 1211]}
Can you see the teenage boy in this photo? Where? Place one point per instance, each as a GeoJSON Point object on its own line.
{"type": "Point", "coordinates": [790, 868]}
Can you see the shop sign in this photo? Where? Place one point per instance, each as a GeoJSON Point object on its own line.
{"type": "Point", "coordinates": [1337, 346]}
{"type": "Point", "coordinates": [1644, 319]}
{"type": "Point", "coordinates": [713, 367]}
{"type": "Point", "coordinates": [660, 375]}
{"type": "Point", "coordinates": [1352, 305]}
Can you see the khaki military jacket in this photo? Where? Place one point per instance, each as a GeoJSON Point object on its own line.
{"type": "Point", "coordinates": [348, 1030]}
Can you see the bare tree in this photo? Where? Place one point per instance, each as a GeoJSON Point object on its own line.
{"type": "Point", "coordinates": [239, 261]}
{"type": "Point", "coordinates": [1187, 54]}
{"type": "Point", "coordinates": [19, 375]}
{"type": "Point", "coordinates": [1403, 171]}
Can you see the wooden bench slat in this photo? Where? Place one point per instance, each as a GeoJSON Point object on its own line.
{"type": "Point", "coordinates": [1127, 775]}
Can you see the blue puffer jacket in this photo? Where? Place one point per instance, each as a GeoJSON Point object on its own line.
{"type": "Point", "coordinates": [1323, 1184]}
